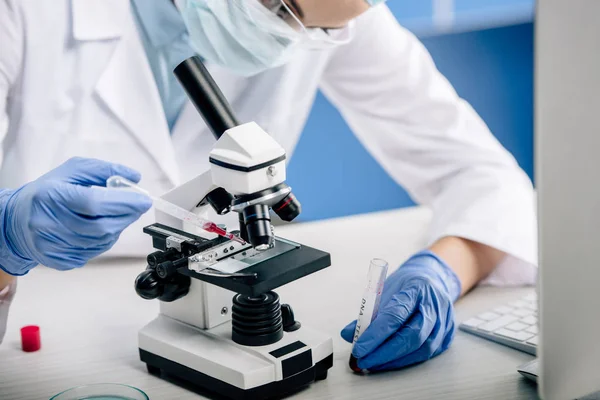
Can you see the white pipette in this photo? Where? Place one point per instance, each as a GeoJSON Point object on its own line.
{"type": "Point", "coordinates": [118, 182]}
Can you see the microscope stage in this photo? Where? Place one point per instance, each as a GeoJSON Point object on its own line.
{"type": "Point", "coordinates": [284, 263]}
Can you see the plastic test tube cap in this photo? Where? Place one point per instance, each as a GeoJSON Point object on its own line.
{"type": "Point", "coordinates": [30, 338]}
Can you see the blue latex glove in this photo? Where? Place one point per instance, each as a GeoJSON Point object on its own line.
{"type": "Point", "coordinates": [416, 316]}
{"type": "Point", "coordinates": [63, 219]}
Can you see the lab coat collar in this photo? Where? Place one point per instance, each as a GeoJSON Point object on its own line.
{"type": "Point", "coordinates": [126, 85]}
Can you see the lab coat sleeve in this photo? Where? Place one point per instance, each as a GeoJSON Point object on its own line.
{"type": "Point", "coordinates": [6, 296]}
{"type": "Point", "coordinates": [11, 45]}
{"type": "Point", "coordinates": [408, 116]}
{"type": "Point", "coordinates": [11, 50]}
{"type": "Point", "coordinates": [11, 54]}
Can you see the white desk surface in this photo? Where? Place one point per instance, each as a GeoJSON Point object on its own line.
{"type": "Point", "coordinates": [89, 321]}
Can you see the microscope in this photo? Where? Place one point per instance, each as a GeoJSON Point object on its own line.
{"type": "Point", "coordinates": [221, 326]}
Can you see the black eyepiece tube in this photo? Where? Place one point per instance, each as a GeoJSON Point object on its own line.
{"type": "Point", "coordinates": [206, 95]}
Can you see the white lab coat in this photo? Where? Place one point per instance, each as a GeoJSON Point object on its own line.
{"type": "Point", "coordinates": [74, 80]}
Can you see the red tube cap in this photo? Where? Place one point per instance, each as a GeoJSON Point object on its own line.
{"type": "Point", "coordinates": [30, 338]}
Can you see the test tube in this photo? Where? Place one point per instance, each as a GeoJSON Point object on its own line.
{"type": "Point", "coordinates": [369, 304]}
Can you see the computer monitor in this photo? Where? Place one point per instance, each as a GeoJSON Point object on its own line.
{"type": "Point", "coordinates": [567, 138]}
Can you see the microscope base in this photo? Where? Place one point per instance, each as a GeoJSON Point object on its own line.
{"type": "Point", "coordinates": [210, 360]}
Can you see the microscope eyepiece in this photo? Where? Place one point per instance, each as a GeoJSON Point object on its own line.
{"type": "Point", "coordinates": [258, 226]}
{"type": "Point", "coordinates": [206, 95]}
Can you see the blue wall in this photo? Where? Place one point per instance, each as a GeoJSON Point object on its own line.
{"type": "Point", "coordinates": [491, 68]}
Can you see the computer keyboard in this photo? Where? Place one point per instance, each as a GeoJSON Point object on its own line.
{"type": "Point", "coordinates": [514, 324]}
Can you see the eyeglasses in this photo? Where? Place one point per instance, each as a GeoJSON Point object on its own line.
{"type": "Point", "coordinates": [318, 36]}
{"type": "Point", "coordinates": [282, 10]}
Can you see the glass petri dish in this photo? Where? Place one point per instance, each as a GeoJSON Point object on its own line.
{"type": "Point", "coordinates": [102, 391]}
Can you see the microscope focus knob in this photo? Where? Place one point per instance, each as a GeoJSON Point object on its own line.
{"type": "Point", "coordinates": [175, 288]}
{"type": "Point", "coordinates": [161, 256]}
{"type": "Point", "coordinates": [289, 322]}
{"type": "Point", "coordinates": [168, 269]}
{"type": "Point", "coordinates": [148, 286]}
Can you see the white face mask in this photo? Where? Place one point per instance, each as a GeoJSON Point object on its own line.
{"type": "Point", "coordinates": [242, 35]}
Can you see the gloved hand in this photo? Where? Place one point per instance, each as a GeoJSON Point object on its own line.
{"type": "Point", "coordinates": [416, 316]}
{"type": "Point", "coordinates": [63, 219]}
